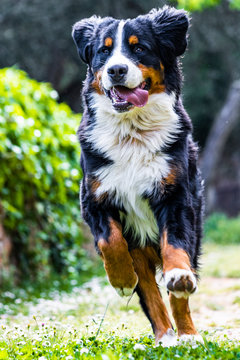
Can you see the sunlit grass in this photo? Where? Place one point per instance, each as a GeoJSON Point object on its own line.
{"type": "Point", "coordinates": [70, 325]}
{"type": "Point", "coordinates": [221, 261]}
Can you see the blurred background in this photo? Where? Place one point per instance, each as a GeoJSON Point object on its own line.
{"type": "Point", "coordinates": [42, 238]}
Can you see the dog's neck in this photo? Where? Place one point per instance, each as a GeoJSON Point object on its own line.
{"type": "Point", "coordinates": [154, 126]}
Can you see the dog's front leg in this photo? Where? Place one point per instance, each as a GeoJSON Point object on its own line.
{"type": "Point", "coordinates": [117, 260]}
{"type": "Point", "coordinates": [179, 277]}
{"type": "Point", "coordinates": [109, 241]}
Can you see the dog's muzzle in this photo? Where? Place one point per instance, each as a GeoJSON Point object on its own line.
{"type": "Point", "coordinates": [117, 73]}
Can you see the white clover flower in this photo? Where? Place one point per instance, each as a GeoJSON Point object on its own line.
{"type": "Point", "coordinates": [84, 350]}
{"type": "Point", "coordinates": [139, 347]}
{"type": "Point", "coordinates": [21, 343]}
{"type": "Point", "coordinates": [79, 342]}
{"type": "Point", "coordinates": [46, 343]}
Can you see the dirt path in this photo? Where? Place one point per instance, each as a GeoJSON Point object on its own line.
{"type": "Point", "coordinates": [216, 307]}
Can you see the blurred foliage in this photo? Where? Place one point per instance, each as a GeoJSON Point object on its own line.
{"type": "Point", "coordinates": [39, 181]}
{"type": "Point", "coordinates": [222, 230]}
{"type": "Point", "coordinates": [196, 5]}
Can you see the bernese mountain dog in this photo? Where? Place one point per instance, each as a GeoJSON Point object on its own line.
{"type": "Point", "coordinates": [141, 192]}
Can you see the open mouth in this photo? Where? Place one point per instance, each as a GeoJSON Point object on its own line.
{"type": "Point", "coordinates": [123, 98]}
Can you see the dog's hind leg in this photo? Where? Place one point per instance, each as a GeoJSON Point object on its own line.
{"type": "Point", "coordinates": [117, 260]}
{"type": "Point", "coordinates": [183, 320]}
{"type": "Point", "coordinates": [145, 262]}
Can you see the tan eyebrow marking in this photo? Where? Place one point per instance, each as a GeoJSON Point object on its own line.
{"type": "Point", "coordinates": [133, 40]}
{"type": "Point", "coordinates": [108, 42]}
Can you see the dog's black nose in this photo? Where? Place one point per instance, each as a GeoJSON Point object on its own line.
{"type": "Point", "coordinates": [117, 72]}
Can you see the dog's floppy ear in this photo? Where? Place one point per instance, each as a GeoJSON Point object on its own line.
{"type": "Point", "coordinates": [83, 34]}
{"type": "Point", "coordinates": [170, 26]}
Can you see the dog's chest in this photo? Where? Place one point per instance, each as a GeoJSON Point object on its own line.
{"type": "Point", "coordinates": [135, 170]}
{"type": "Point", "coordinates": [134, 143]}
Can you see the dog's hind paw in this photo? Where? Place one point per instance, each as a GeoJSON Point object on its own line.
{"type": "Point", "coordinates": [193, 340]}
{"type": "Point", "coordinates": [168, 339]}
{"type": "Point", "coordinates": [180, 282]}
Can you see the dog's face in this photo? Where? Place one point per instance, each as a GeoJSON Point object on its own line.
{"type": "Point", "coordinates": [131, 60]}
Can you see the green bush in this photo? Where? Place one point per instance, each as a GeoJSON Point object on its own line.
{"type": "Point", "coordinates": [222, 230]}
{"type": "Point", "coordinates": [39, 177]}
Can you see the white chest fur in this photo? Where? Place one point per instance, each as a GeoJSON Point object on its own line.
{"type": "Point", "coordinates": [133, 141]}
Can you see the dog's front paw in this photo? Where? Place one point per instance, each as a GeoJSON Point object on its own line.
{"type": "Point", "coordinates": [124, 286]}
{"type": "Point", "coordinates": [180, 282]}
{"type": "Point", "coordinates": [119, 266]}
{"type": "Point", "coordinates": [125, 291]}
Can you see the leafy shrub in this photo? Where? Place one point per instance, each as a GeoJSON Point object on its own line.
{"type": "Point", "coordinates": [39, 177]}
{"type": "Point", "coordinates": [222, 230]}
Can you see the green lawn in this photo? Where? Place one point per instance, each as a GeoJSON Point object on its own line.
{"type": "Point", "coordinates": [63, 325]}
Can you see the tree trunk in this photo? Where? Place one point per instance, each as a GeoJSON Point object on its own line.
{"type": "Point", "coordinates": [5, 248]}
{"type": "Point", "coordinates": [222, 126]}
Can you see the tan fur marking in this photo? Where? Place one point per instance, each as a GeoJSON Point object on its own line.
{"type": "Point", "coordinates": [170, 179]}
{"type": "Point", "coordinates": [96, 84]}
{"type": "Point", "coordinates": [133, 40]}
{"type": "Point", "coordinates": [173, 258]}
{"type": "Point", "coordinates": [182, 316]}
{"type": "Point", "coordinates": [94, 186]}
{"type": "Point", "coordinates": [117, 260]}
{"type": "Point", "coordinates": [156, 76]}
{"type": "Point", "coordinates": [108, 42]}
{"type": "Point", "coordinates": [145, 262]}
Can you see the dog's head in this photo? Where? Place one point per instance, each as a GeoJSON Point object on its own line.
{"type": "Point", "coordinates": [133, 59]}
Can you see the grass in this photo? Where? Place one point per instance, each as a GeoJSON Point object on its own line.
{"type": "Point", "coordinates": [109, 347]}
{"type": "Point", "coordinates": [69, 325]}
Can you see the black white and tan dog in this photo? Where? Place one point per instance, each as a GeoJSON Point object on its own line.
{"type": "Point", "coordinates": [141, 192]}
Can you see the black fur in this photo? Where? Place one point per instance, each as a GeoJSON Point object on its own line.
{"type": "Point", "coordinates": [177, 207]}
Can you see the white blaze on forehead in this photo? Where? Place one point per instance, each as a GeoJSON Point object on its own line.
{"type": "Point", "coordinates": [134, 75]}
{"type": "Point", "coordinates": [119, 38]}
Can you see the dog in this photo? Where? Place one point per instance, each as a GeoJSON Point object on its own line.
{"type": "Point", "coordinates": [141, 192]}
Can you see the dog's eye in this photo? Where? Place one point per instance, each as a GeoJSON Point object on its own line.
{"type": "Point", "coordinates": [138, 49]}
{"type": "Point", "coordinates": [105, 50]}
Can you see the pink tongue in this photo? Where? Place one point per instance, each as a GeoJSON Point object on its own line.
{"type": "Point", "coordinates": [137, 96]}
